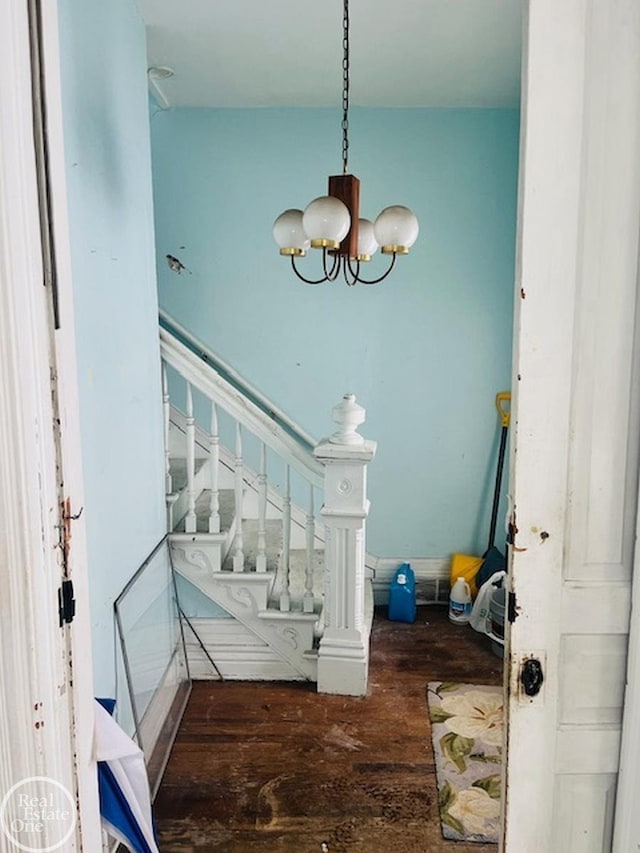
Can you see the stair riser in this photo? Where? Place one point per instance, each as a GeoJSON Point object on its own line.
{"type": "Point", "coordinates": [244, 595]}
{"type": "Point", "coordinates": [237, 653]}
{"type": "Point", "coordinates": [188, 552]}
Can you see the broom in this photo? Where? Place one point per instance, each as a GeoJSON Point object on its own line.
{"type": "Point", "coordinates": [465, 565]}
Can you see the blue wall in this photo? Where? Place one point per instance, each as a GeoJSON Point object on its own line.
{"type": "Point", "coordinates": [106, 128]}
{"type": "Point", "coordinates": [425, 351]}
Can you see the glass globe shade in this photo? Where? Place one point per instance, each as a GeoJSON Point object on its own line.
{"type": "Point", "coordinates": [289, 233]}
{"type": "Point", "coordinates": [367, 243]}
{"type": "Point", "coordinates": [396, 229]}
{"type": "Point", "coordinates": [326, 222]}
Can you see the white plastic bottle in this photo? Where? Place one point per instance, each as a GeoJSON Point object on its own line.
{"type": "Point", "coordinates": [460, 602]}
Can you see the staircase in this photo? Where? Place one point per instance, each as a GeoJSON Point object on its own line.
{"type": "Point", "coordinates": [266, 528]}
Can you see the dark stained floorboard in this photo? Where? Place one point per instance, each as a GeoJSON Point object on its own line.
{"type": "Point", "coordinates": [278, 767]}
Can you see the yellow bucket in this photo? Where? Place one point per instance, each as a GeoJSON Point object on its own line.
{"type": "Point", "coordinates": [466, 567]}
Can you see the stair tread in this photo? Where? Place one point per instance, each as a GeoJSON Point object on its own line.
{"type": "Point", "coordinates": [273, 529]}
{"type": "Point", "coordinates": [226, 501]}
{"type": "Point", "coordinates": [248, 604]}
{"type": "Point", "coordinates": [291, 615]}
{"type": "Point", "coordinates": [202, 579]}
{"type": "Point", "coordinates": [297, 563]}
{"type": "Point", "coordinates": [178, 471]}
{"type": "Point", "coordinates": [297, 578]}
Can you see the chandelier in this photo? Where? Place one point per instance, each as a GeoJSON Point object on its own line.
{"type": "Point", "coordinates": [331, 222]}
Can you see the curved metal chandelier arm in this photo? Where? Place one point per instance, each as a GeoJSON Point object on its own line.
{"type": "Point", "coordinates": [356, 274]}
{"type": "Point", "coordinates": [302, 278]}
{"type": "Point", "coordinates": [351, 276]}
{"type": "Point", "coordinates": [329, 275]}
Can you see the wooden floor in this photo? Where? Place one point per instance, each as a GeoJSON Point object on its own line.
{"type": "Point", "coordinates": [277, 767]}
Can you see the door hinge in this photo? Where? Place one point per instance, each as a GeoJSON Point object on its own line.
{"type": "Point", "coordinates": [512, 611]}
{"type": "Point", "coordinates": [66, 603]}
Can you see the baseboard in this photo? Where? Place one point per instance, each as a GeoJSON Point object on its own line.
{"type": "Point", "coordinates": [432, 577]}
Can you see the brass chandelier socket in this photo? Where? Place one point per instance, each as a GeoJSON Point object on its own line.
{"type": "Point", "coordinates": [363, 258]}
{"type": "Point", "coordinates": [325, 244]}
{"type": "Point", "coordinates": [394, 250]}
{"type": "Point", "coordinates": [299, 253]}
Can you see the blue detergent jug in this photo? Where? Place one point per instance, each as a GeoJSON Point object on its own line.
{"type": "Point", "coordinates": [402, 595]}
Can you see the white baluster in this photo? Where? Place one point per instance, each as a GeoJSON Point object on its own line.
{"type": "Point", "coordinates": [285, 597]}
{"type": "Point", "coordinates": [214, 469]}
{"type": "Point", "coordinates": [190, 520]}
{"type": "Point", "coordinates": [170, 497]}
{"type": "Point", "coordinates": [261, 557]}
{"type": "Point", "coordinates": [166, 409]}
{"type": "Point", "coordinates": [171, 500]}
{"type": "Point", "coordinates": [310, 531]}
{"type": "Point", "coordinates": [238, 552]}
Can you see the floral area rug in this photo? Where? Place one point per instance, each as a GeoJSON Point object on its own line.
{"type": "Point", "coordinates": [466, 729]}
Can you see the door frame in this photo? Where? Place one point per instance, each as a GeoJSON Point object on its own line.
{"type": "Point", "coordinates": [17, 155]}
{"type": "Point", "coordinates": [626, 825]}
{"type": "Point", "coordinates": [555, 137]}
{"type": "Point", "coordinates": [39, 376]}
{"type": "Point", "coordinates": [70, 437]}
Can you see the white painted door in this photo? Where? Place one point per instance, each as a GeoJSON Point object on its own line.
{"type": "Point", "coordinates": [574, 465]}
{"type": "Point", "coordinates": [626, 837]}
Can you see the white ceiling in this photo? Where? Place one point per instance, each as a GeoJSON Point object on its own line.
{"type": "Point", "coordinates": [254, 53]}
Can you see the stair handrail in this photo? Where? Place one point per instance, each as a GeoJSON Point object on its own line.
{"type": "Point", "coordinates": [204, 376]}
{"type": "Point", "coordinates": [235, 379]}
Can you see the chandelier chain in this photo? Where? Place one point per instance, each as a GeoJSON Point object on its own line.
{"type": "Point", "coordinates": [345, 88]}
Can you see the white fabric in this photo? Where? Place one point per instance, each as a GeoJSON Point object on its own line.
{"type": "Point", "coordinates": [126, 761]}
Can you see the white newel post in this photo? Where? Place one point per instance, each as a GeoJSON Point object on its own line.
{"type": "Point", "coordinates": [343, 656]}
